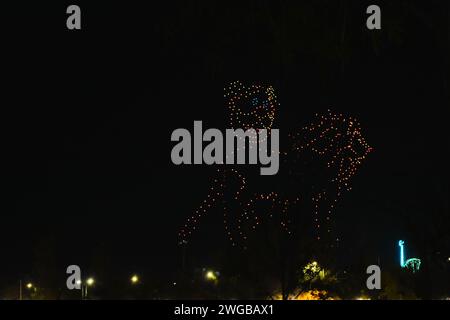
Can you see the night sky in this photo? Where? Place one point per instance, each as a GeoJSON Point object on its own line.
{"type": "Point", "coordinates": [86, 120]}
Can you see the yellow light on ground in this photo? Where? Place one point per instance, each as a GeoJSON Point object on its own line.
{"type": "Point", "coordinates": [134, 279]}
{"type": "Point", "coordinates": [90, 281]}
{"type": "Point", "coordinates": [308, 295]}
{"type": "Point", "coordinates": [29, 285]}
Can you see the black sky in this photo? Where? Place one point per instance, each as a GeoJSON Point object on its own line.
{"type": "Point", "coordinates": [87, 118]}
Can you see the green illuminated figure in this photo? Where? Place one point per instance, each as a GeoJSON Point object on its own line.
{"type": "Point", "coordinates": [412, 263]}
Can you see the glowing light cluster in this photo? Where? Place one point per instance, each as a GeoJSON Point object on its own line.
{"type": "Point", "coordinates": [276, 212]}
{"type": "Point", "coordinates": [336, 140]}
{"type": "Point", "coordinates": [251, 107]}
{"type": "Point", "coordinates": [313, 270]}
{"type": "Point", "coordinates": [413, 264]}
{"type": "Point", "coordinates": [211, 275]}
{"type": "Point", "coordinates": [216, 192]}
{"type": "Point", "coordinates": [308, 295]}
{"type": "Point", "coordinates": [333, 138]}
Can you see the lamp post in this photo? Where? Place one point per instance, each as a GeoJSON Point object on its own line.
{"type": "Point", "coordinates": [213, 277]}
{"type": "Point", "coordinates": [29, 286]}
{"type": "Point", "coordinates": [84, 287]}
{"type": "Point", "coordinates": [89, 282]}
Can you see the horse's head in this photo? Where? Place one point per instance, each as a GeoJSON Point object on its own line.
{"type": "Point", "coordinates": [251, 106]}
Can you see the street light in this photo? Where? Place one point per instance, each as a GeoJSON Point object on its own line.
{"type": "Point", "coordinates": [211, 275]}
{"type": "Point", "coordinates": [84, 288]}
{"type": "Point", "coordinates": [29, 286]}
{"type": "Point", "coordinates": [90, 281]}
{"type": "Point", "coordinates": [134, 279]}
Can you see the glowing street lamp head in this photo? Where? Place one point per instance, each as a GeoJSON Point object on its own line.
{"type": "Point", "coordinates": [29, 285]}
{"type": "Point", "coordinates": [134, 279]}
{"type": "Point", "coordinates": [211, 275]}
{"type": "Point", "coordinates": [90, 281]}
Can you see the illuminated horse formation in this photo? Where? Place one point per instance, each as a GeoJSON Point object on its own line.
{"type": "Point", "coordinates": [332, 139]}
{"type": "Point", "coordinates": [412, 263]}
